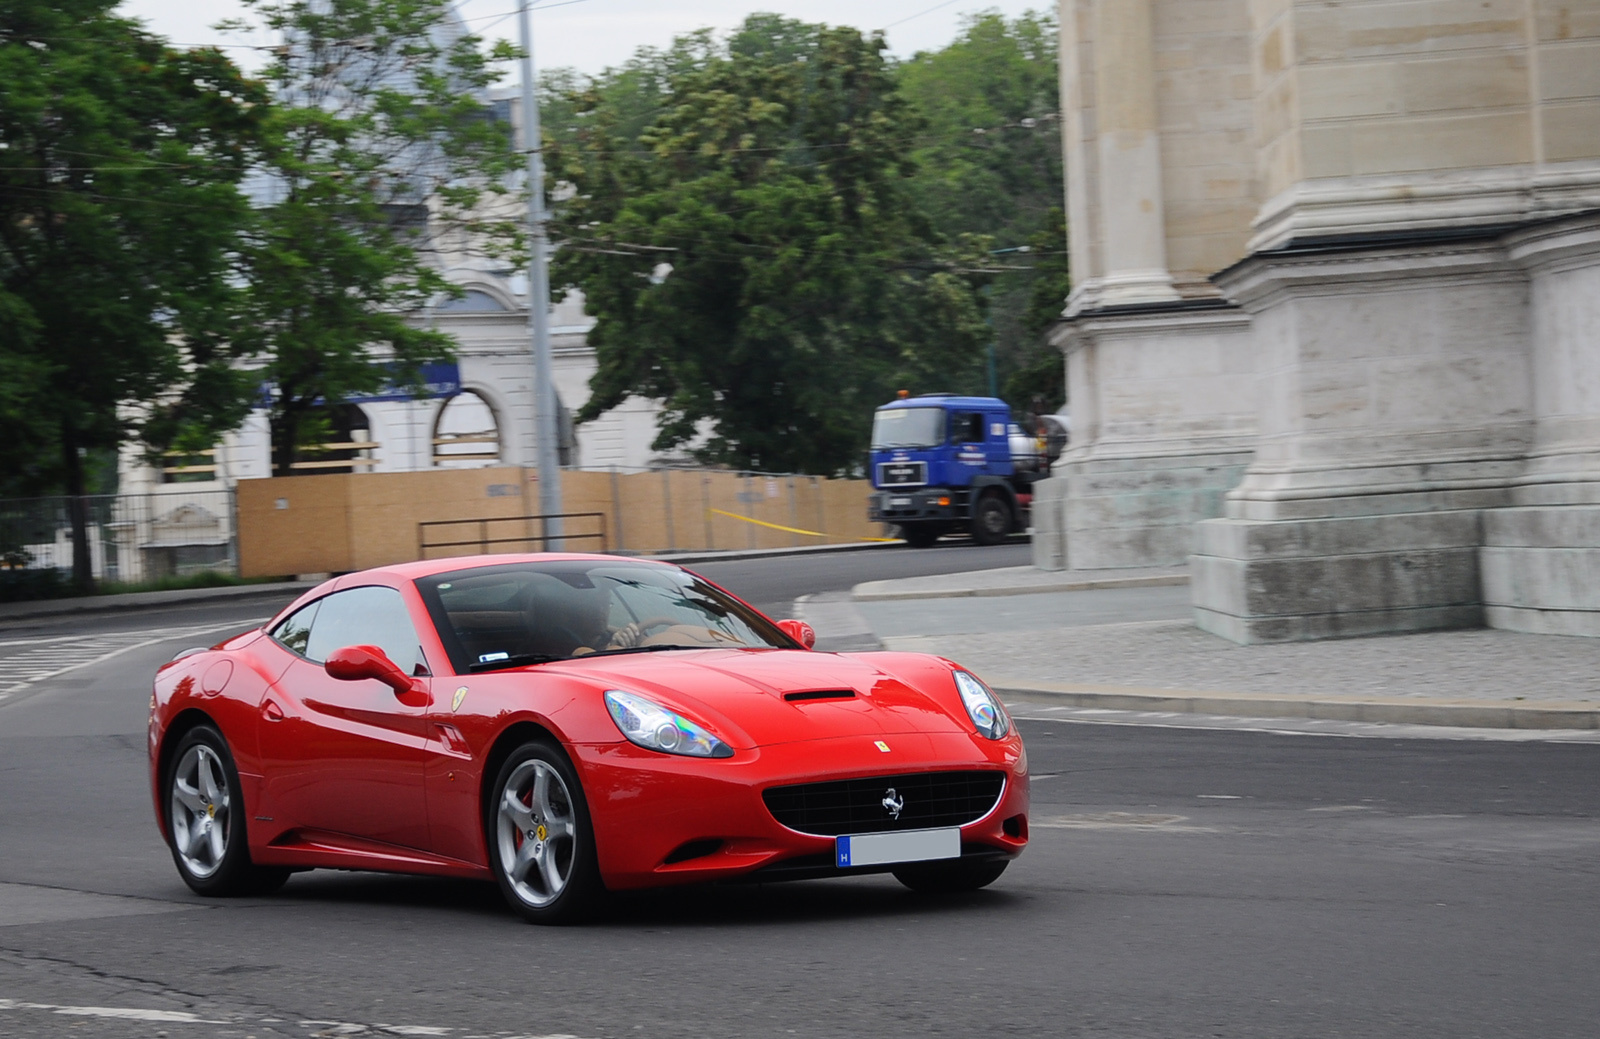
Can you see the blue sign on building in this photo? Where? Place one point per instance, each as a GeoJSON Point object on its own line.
{"type": "Point", "coordinates": [438, 380]}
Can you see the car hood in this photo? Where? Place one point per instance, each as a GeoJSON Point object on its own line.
{"type": "Point", "coordinates": [749, 697]}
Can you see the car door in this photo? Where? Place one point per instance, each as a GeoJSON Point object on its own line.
{"type": "Point", "coordinates": [346, 757]}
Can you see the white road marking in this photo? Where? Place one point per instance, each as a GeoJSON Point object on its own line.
{"type": "Point", "coordinates": [126, 1013]}
{"type": "Point", "coordinates": [54, 657]}
{"type": "Point", "coordinates": [323, 1028]}
{"type": "Point", "coordinates": [1119, 821]}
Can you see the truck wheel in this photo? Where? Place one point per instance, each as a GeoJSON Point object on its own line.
{"type": "Point", "coordinates": [991, 520]}
{"type": "Point", "coordinates": [920, 535]}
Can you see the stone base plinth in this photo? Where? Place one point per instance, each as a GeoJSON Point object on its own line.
{"type": "Point", "coordinates": [1291, 580]}
{"type": "Point", "coordinates": [1541, 569]}
{"type": "Point", "coordinates": [1141, 511]}
{"type": "Point", "coordinates": [1047, 522]}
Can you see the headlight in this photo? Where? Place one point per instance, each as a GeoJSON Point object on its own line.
{"type": "Point", "coordinates": [654, 727]}
{"type": "Point", "coordinates": [983, 707]}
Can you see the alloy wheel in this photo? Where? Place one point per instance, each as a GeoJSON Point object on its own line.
{"type": "Point", "coordinates": [200, 811]}
{"type": "Point", "coordinates": [537, 832]}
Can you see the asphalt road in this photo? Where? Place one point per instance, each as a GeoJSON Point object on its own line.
{"type": "Point", "coordinates": [1180, 883]}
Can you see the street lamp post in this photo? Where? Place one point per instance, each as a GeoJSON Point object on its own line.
{"type": "Point", "coordinates": [544, 389]}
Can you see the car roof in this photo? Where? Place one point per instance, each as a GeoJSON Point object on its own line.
{"type": "Point", "coordinates": [431, 567]}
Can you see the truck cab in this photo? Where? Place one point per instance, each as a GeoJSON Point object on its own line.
{"type": "Point", "coordinates": [946, 464]}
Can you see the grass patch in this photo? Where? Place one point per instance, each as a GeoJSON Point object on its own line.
{"type": "Point", "coordinates": [30, 585]}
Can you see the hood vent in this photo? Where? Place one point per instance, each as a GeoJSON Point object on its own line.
{"type": "Point", "coordinates": [821, 694]}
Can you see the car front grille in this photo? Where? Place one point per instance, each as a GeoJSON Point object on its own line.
{"type": "Point", "coordinates": [927, 799]}
{"type": "Point", "coordinates": [902, 474]}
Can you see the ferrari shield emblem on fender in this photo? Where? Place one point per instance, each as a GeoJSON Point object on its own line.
{"type": "Point", "coordinates": [455, 704]}
{"type": "Point", "coordinates": [881, 745]}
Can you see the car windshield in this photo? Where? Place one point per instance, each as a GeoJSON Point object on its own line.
{"type": "Point", "coordinates": [908, 427]}
{"type": "Point", "coordinates": [510, 615]}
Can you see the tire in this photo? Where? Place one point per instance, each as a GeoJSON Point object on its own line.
{"type": "Point", "coordinates": [206, 829]}
{"type": "Point", "coordinates": [951, 877]}
{"type": "Point", "coordinates": [991, 520]}
{"type": "Point", "coordinates": [920, 535]}
{"type": "Point", "coordinates": [536, 803]}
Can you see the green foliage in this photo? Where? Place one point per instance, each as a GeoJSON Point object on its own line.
{"type": "Point", "coordinates": [989, 165]}
{"type": "Point", "coordinates": [771, 172]}
{"type": "Point", "coordinates": [120, 159]}
{"type": "Point", "coordinates": [378, 160]}
{"type": "Point", "coordinates": [118, 210]}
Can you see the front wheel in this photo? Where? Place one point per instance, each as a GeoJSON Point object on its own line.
{"type": "Point", "coordinates": [206, 820]}
{"type": "Point", "coordinates": [991, 521]}
{"type": "Point", "coordinates": [951, 876]}
{"type": "Point", "coordinates": [541, 843]}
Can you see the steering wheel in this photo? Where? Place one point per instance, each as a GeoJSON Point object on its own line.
{"type": "Point", "coordinates": [630, 635]}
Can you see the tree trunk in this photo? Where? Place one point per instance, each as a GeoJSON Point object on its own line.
{"type": "Point", "coordinates": [77, 511]}
{"type": "Point", "coordinates": [284, 434]}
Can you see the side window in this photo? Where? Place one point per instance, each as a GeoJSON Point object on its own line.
{"type": "Point", "coordinates": [966, 428]}
{"type": "Point", "coordinates": [365, 617]}
{"type": "Point", "coordinates": [295, 629]}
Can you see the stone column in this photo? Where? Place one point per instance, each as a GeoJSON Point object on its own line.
{"type": "Point", "coordinates": [1128, 146]}
{"type": "Point", "coordinates": [1541, 555]}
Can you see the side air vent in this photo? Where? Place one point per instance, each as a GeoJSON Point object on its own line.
{"type": "Point", "coordinates": [821, 694]}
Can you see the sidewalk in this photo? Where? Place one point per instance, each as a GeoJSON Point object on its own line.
{"type": "Point", "coordinates": [1082, 647]}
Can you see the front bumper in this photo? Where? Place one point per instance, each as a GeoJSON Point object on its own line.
{"type": "Point", "coordinates": [650, 809]}
{"type": "Point", "coordinates": [919, 505]}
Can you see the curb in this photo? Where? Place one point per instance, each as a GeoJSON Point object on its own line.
{"type": "Point", "coordinates": [733, 555]}
{"type": "Point", "coordinates": [866, 593]}
{"type": "Point", "coordinates": [1458, 713]}
{"type": "Point", "coordinates": [12, 611]}
{"type": "Point", "coordinates": [179, 597]}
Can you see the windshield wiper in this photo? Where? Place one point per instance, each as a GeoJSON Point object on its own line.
{"type": "Point", "coordinates": [642, 649]}
{"type": "Point", "coordinates": [520, 660]}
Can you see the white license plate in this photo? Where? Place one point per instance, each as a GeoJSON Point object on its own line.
{"type": "Point", "coordinates": [899, 503]}
{"type": "Point", "coordinates": [876, 849]}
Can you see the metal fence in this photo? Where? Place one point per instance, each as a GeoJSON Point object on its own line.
{"type": "Point", "coordinates": [132, 537]}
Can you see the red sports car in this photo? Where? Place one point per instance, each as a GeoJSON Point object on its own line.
{"type": "Point", "coordinates": [568, 724]}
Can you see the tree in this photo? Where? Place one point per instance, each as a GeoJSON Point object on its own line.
{"type": "Point", "coordinates": [377, 156]}
{"type": "Point", "coordinates": [741, 228]}
{"type": "Point", "coordinates": [120, 159]}
{"type": "Point", "coordinates": [989, 165]}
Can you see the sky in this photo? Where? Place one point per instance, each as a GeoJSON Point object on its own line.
{"type": "Point", "coordinates": [591, 35]}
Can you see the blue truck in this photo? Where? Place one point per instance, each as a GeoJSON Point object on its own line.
{"type": "Point", "coordinates": [945, 464]}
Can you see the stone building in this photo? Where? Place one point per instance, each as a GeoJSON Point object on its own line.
{"type": "Point", "coordinates": [1335, 331]}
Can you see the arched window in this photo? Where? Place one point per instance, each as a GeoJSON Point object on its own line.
{"type": "Point", "coordinates": [465, 435]}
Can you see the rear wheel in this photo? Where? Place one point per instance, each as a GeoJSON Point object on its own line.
{"type": "Point", "coordinates": [920, 535]}
{"type": "Point", "coordinates": [950, 877]}
{"type": "Point", "coordinates": [991, 520]}
{"type": "Point", "coordinates": [541, 844]}
{"type": "Point", "coordinates": [206, 820]}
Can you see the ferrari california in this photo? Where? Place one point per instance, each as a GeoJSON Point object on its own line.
{"type": "Point", "coordinates": [569, 725]}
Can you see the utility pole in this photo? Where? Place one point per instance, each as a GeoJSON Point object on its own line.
{"type": "Point", "coordinates": [544, 389]}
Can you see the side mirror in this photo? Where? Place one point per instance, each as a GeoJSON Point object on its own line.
{"type": "Point", "coordinates": [800, 631]}
{"type": "Point", "coordinates": [354, 663]}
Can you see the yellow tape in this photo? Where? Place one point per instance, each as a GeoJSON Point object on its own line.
{"type": "Point", "coordinates": [790, 530]}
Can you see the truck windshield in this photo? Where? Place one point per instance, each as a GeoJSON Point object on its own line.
{"type": "Point", "coordinates": [908, 427]}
